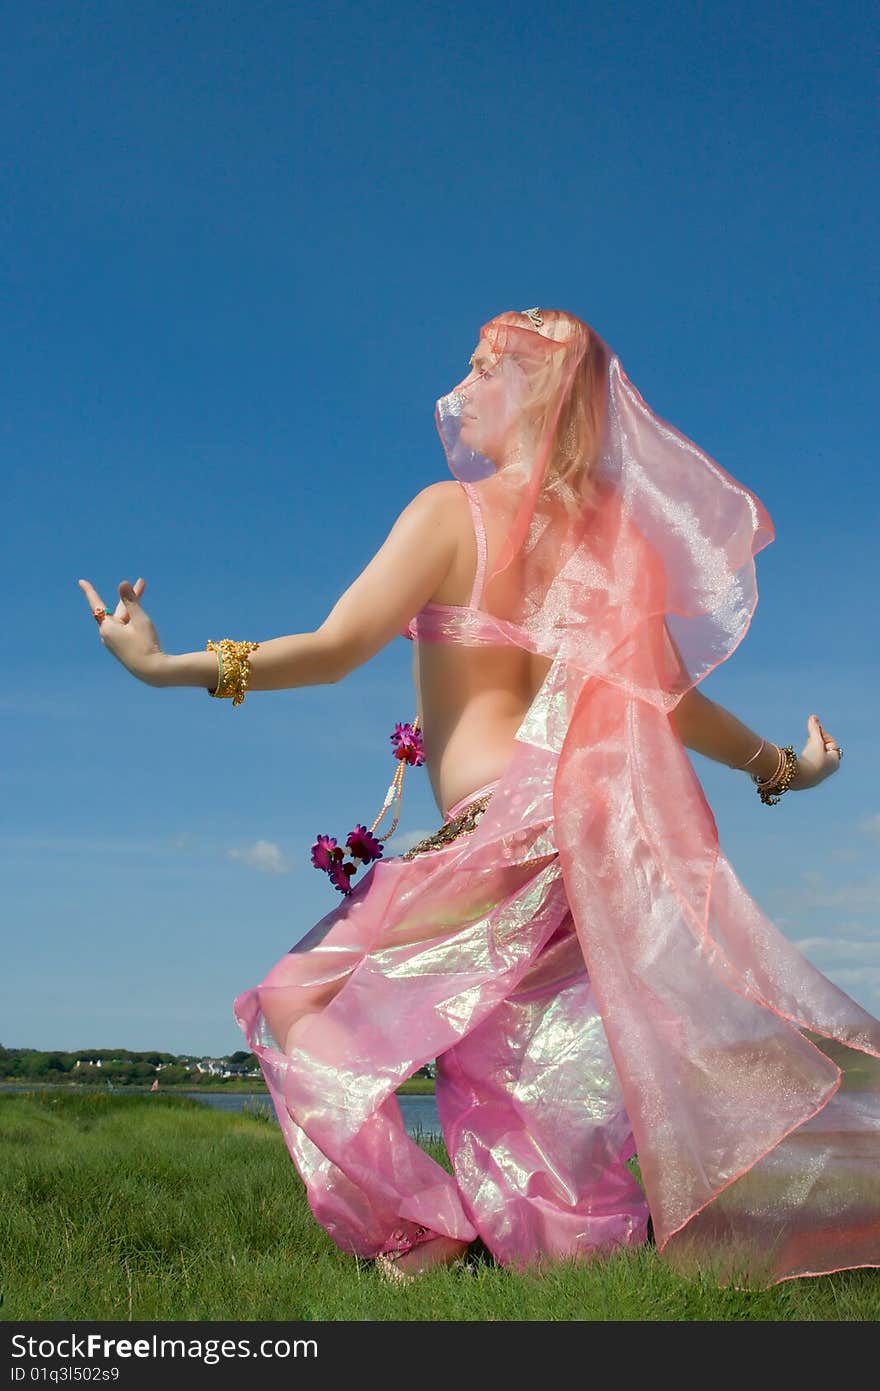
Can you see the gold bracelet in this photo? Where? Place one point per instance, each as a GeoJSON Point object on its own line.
{"type": "Point", "coordinates": [233, 668]}
{"type": "Point", "coordinates": [219, 655]}
{"type": "Point", "coordinates": [741, 767]}
{"type": "Point", "coordinates": [771, 790]}
{"type": "Point", "coordinates": [771, 778]}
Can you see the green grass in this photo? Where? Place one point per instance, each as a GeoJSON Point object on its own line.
{"type": "Point", "coordinates": [159, 1208]}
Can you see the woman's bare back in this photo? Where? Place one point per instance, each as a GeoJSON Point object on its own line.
{"type": "Point", "coordinates": [470, 700]}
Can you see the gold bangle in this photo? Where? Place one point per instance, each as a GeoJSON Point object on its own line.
{"type": "Point", "coordinates": [771, 793]}
{"type": "Point", "coordinates": [234, 669]}
{"type": "Point", "coordinates": [219, 655]}
{"type": "Point", "coordinates": [777, 771]}
{"type": "Point", "coordinates": [741, 767]}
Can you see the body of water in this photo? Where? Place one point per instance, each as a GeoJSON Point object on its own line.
{"type": "Point", "coordinates": [419, 1112]}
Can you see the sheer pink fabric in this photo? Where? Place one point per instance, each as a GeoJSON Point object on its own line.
{"type": "Point", "coordinates": [466, 954]}
{"type": "Point", "coordinates": [748, 1083]}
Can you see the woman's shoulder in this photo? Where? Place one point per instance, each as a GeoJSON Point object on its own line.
{"type": "Point", "coordinates": [445, 501]}
{"type": "Point", "coordinates": [442, 489]}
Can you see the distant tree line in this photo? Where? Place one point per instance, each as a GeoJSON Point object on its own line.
{"type": "Point", "coordinates": [121, 1066]}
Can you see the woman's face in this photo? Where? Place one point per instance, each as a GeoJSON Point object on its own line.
{"type": "Point", "coordinates": [490, 407]}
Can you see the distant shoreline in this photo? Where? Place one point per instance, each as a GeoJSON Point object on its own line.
{"type": "Point", "coordinates": [413, 1086]}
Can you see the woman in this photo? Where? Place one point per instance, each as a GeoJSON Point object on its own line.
{"type": "Point", "coordinates": [571, 946]}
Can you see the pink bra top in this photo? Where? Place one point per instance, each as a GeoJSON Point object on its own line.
{"type": "Point", "coordinates": [462, 623]}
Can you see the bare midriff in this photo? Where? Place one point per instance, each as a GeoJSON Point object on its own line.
{"type": "Point", "coordinates": [470, 700]}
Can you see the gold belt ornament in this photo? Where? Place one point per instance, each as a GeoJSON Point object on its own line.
{"type": "Point", "coordinates": [467, 820]}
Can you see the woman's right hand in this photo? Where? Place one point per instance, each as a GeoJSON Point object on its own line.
{"type": "Point", "coordinates": [819, 759]}
{"type": "Point", "coordinates": [128, 631]}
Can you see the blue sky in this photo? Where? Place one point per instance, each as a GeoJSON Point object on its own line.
{"type": "Point", "coordinates": [246, 247]}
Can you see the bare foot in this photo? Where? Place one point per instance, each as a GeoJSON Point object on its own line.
{"type": "Point", "coordinates": [440, 1250]}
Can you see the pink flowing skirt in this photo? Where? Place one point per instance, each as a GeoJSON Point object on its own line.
{"type": "Point", "coordinates": [465, 950]}
{"type": "Point", "coordinates": [474, 961]}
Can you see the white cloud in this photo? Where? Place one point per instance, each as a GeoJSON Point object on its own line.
{"type": "Point", "coordinates": [263, 855]}
{"type": "Point", "coordinates": [870, 826]}
{"type": "Point", "coordinates": [858, 896]}
{"type": "Point", "coordinates": [405, 840]}
{"type": "Point", "coordinates": [863, 978]}
{"type": "Point", "coordinates": [849, 930]}
{"type": "Point", "coordinates": [841, 949]}
{"type": "Point", "coordinates": [851, 962]}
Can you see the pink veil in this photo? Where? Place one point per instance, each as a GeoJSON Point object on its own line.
{"type": "Point", "coordinates": [625, 554]}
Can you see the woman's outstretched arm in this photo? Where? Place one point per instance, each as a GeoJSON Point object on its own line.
{"type": "Point", "coordinates": [706, 727]}
{"type": "Point", "coordinates": [402, 576]}
{"type": "Point", "coordinates": [709, 729]}
{"type": "Point", "coordinates": [299, 659]}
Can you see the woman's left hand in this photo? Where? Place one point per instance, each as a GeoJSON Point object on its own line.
{"type": "Point", "coordinates": [128, 631]}
{"type": "Point", "coordinates": [819, 760]}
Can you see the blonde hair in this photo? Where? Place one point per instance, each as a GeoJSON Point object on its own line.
{"type": "Point", "coordinates": [576, 441]}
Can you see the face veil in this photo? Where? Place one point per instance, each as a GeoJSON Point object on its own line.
{"type": "Point", "coordinates": [614, 542]}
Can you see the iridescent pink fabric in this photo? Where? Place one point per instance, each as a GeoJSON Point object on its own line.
{"type": "Point", "coordinates": [468, 954]}
{"type": "Point", "coordinates": [586, 967]}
